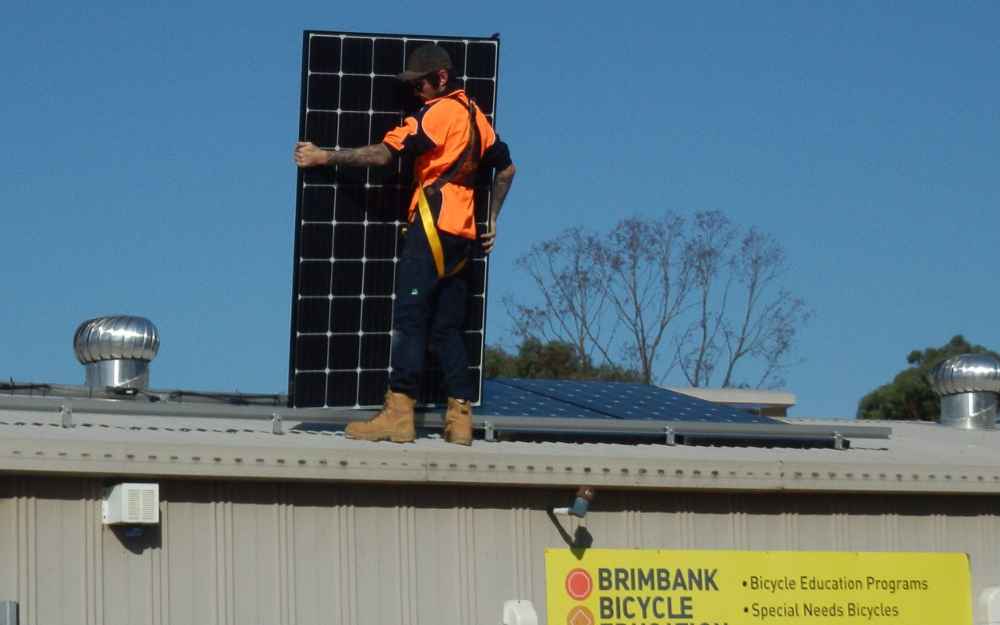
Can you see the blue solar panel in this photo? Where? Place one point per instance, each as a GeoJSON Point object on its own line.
{"type": "Point", "coordinates": [502, 399]}
{"type": "Point", "coordinates": [603, 400]}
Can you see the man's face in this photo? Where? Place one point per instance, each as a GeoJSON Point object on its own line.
{"type": "Point", "coordinates": [425, 85]}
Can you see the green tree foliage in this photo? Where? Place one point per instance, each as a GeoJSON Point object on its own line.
{"type": "Point", "coordinates": [551, 360]}
{"type": "Point", "coordinates": [909, 395]}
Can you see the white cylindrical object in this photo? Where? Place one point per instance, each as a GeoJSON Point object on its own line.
{"type": "Point", "coordinates": [519, 612]}
{"type": "Point", "coordinates": [989, 606]}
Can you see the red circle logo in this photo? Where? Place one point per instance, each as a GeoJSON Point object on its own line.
{"type": "Point", "coordinates": [579, 584]}
{"type": "Point", "coordinates": [580, 616]}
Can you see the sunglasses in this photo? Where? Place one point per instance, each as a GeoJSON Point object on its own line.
{"type": "Point", "coordinates": [418, 83]}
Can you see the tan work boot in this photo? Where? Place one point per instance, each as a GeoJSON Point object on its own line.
{"type": "Point", "coordinates": [394, 422]}
{"type": "Point", "coordinates": [458, 422]}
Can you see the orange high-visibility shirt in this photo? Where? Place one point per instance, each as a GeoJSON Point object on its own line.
{"type": "Point", "coordinates": [437, 135]}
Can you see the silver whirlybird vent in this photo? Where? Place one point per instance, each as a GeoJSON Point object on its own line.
{"type": "Point", "coordinates": [968, 385]}
{"type": "Point", "coordinates": [116, 351]}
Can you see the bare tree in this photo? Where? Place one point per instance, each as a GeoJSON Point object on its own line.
{"type": "Point", "coordinates": [643, 273]}
{"type": "Point", "coordinates": [707, 251]}
{"type": "Point", "coordinates": [572, 302]}
{"type": "Point", "coordinates": [741, 310]}
{"type": "Point", "coordinates": [704, 296]}
{"type": "Point", "coordinates": [769, 316]}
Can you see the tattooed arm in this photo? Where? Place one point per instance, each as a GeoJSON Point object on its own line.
{"type": "Point", "coordinates": [308, 155]}
{"type": "Point", "coordinates": [501, 185]}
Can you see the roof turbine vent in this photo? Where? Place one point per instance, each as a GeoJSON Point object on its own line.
{"type": "Point", "coordinates": [116, 351]}
{"type": "Point", "coordinates": [969, 387]}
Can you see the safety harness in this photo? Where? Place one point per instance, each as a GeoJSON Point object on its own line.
{"type": "Point", "coordinates": [463, 168]}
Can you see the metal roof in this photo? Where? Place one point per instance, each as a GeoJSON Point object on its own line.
{"type": "Point", "coordinates": [560, 409]}
{"type": "Point", "coordinates": [136, 439]}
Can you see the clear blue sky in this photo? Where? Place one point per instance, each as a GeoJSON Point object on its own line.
{"type": "Point", "coordinates": [146, 164]}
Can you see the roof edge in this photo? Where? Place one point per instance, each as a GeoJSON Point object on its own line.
{"type": "Point", "coordinates": [466, 467]}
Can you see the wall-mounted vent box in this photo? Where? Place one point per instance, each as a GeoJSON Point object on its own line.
{"type": "Point", "coordinates": [131, 503]}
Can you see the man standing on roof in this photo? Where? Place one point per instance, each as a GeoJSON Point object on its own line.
{"type": "Point", "coordinates": [450, 139]}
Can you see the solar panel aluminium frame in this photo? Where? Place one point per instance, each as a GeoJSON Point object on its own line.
{"type": "Point", "coordinates": [427, 398]}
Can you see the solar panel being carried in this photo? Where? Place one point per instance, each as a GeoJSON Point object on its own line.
{"type": "Point", "coordinates": [350, 220]}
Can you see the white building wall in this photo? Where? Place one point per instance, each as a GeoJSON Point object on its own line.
{"type": "Point", "coordinates": [239, 553]}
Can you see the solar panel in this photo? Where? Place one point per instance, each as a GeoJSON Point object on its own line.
{"type": "Point", "coordinates": [350, 221]}
{"type": "Point", "coordinates": [604, 400]}
{"type": "Point", "coordinates": [501, 398]}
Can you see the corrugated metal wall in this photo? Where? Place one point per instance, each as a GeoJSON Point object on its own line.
{"type": "Point", "coordinates": [247, 552]}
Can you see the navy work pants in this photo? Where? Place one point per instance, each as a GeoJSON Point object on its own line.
{"type": "Point", "coordinates": [426, 305]}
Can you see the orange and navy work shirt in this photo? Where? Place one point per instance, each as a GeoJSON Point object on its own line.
{"type": "Point", "coordinates": [436, 136]}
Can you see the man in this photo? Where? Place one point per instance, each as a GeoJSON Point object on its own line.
{"type": "Point", "coordinates": [450, 139]}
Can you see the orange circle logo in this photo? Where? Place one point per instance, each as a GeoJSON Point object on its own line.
{"type": "Point", "coordinates": [579, 584]}
{"type": "Point", "coordinates": [580, 616]}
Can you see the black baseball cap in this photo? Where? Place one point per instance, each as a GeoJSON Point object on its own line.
{"type": "Point", "coordinates": [424, 60]}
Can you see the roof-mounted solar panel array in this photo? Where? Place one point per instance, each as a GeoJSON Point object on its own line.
{"type": "Point", "coordinates": [350, 221]}
{"type": "Point", "coordinates": [607, 400]}
{"type": "Point", "coordinates": [586, 410]}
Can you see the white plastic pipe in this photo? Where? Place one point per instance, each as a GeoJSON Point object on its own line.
{"type": "Point", "coordinates": [519, 612]}
{"type": "Point", "coordinates": [989, 606]}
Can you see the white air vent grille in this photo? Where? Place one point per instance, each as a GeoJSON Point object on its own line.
{"type": "Point", "coordinates": [131, 503]}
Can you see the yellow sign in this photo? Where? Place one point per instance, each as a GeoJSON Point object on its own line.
{"type": "Point", "coordinates": [649, 587]}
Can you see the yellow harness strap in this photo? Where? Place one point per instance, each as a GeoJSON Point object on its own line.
{"type": "Point", "coordinates": [430, 229]}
